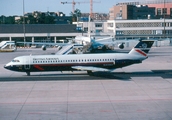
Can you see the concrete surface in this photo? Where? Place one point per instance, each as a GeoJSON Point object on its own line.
{"type": "Point", "coordinates": [137, 92]}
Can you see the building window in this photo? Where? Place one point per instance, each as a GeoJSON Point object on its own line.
{"type": "Point", "coordinates": [170, 24]}
{"type": "Point", "coordinates": [98, 31]}
{"type": "Point", "coordinates": [164, 11]}
{"type": "Point", "coordinates": [171, 12]}
{"type": "Point", "coordinates": [98, 25]}
{"type": "Point", "coordinates": [85, 29]}
{"type": "Point", "coordinates": [119, 32]}
{"type": "Point", "coordinates": [158, 11]}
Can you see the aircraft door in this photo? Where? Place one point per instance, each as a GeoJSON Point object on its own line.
{"type": "Point", "coordinates": [27, 63]}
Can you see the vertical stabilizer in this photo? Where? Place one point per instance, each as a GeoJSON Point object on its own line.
{"type": "Point", "coordinates": [142, 48]}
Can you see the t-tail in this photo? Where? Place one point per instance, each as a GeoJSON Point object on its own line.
{"type": "Point", "coordinates": [142, 48]}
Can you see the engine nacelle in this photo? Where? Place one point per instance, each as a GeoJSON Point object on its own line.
{"type": "Point", "coordinates": [44, 47]}
{"type": "Point", "coordinates": [121, 46]}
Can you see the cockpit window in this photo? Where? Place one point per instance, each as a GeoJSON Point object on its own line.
{"type": "Point", "coordinates": [15, 61]}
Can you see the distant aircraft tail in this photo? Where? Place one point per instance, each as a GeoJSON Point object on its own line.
{"type": "Point", "coordinates": [142, 48]}
{"type": "Point", "coordinates": [92, 40]}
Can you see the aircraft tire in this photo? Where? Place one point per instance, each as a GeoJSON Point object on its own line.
{"type": "Point", "coordinates": [89, 72]}
{"type": "Point", "coordinates": [28, 73]}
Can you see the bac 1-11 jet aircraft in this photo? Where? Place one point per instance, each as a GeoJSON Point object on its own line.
{"type": "Point", "coordinates": [86, 62]}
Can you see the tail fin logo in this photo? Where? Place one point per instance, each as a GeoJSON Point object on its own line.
{"type": "Point", "coordinates": [144, 45]}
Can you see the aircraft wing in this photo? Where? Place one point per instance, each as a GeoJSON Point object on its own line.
{"type": "Point", "coordinates": [108, 40]}
{"type": "Point", "coordinates": [41, 43]}
{"type": "Point", "coordinates": [85, 68]}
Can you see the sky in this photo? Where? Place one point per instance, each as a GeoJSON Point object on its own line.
{"type": "Point", "coordinates": [15, 7]}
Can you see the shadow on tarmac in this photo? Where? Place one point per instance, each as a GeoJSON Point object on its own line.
{"type": "Point", "coordinates": [124, 76]}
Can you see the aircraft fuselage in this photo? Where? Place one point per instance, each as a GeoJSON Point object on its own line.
{"type": "Point", "coordinates": [66, 62]}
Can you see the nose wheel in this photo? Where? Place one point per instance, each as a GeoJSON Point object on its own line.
{"type": "Point", "coordinates": [28, 73]}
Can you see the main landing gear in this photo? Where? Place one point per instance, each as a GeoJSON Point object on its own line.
{"type": "Point", "coordinates": [90, 73]}
{"type": "Point", "coordinates": [28, 73]}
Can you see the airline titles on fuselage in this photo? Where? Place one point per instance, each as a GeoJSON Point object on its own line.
{"type": "Point", "coordinates": [45, 59]}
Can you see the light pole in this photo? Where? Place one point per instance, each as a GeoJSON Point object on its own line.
{"type": "Point", "coordinates": [24, 31]}
{"type": "Point", "coordinates": [164, 19]}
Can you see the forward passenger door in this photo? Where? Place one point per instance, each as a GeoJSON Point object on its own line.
{"type": "Point", "coordinates": [27, 63]}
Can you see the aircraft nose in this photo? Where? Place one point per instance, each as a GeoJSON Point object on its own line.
{"type": "Point", "coordinates": [6, 67]}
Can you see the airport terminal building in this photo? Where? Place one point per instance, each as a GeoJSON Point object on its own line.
{"type": "Point", "coordinates": [152, 28]}
{"type": "Point", "coordinates": [123, 29]}
{"type": "Point", "coordinates": [37, 32]}
{"type": "Point", "coordinates": [120, 29]}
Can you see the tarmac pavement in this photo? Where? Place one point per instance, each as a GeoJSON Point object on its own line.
{"type": "Point", "coordinates": [138, 92]}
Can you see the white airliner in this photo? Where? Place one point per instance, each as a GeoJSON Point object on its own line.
{"type": "Point", "coordinates": [101, 43]}
{"type": "Point", "coordinates": [86, 62]}
{"type": "Point", "coordinates": [82, 41]}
